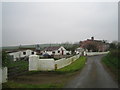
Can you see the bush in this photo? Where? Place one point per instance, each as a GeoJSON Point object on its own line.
{"type": "Point", "coordinates": [5, 59]}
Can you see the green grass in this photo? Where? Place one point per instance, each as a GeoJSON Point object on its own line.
{"type": "Point", "coordinates": [111, 60]}
{"type": "Point", "coordinates": [75, 66]}
{"type": "Point", "coordinates": [108, 61]}
{"type": "Point", "coordinates": [22, 65]}
{"type": "Point", "coordinates": [17, 63]}
{"type": "Point", "coordinates": [12, 84]}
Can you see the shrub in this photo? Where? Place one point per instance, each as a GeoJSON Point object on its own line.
{"type": "Point", "coordinates": [5, 59]}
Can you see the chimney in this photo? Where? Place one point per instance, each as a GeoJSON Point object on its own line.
{"type": "Point", "coordinates": [92, 38]}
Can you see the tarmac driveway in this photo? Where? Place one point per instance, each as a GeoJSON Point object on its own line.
{"type": "Point", "coordinates": [93, 75]}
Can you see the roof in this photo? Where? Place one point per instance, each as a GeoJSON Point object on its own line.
{"type": "Point", "coordinates": [79, 48]}
{"type": "Point", "coordinates": [51, 48]}
{"type": "Point", "coordinates": [16, 50]}
{"type": "Point", "coordinates": [11, 51]}
{"type": "Point", "coordinates": [93, 41]}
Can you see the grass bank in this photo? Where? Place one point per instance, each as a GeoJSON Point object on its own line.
{"type": "Point", "coordinates": [75, 66]}
{"type": "Point", "coordinates": [111, 60]}
{"type": "Point", "coordinates": [53, 79]}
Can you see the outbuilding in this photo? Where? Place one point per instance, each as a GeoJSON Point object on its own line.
{"type": "Point", "coordinates": [17, 54]}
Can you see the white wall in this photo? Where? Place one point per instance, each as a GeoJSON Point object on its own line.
{"type": "Point", "coordinates": [96, 53]}
{"type": "Point", "coordinates": [3, 75]}
{"type": "Point", "coordinates": [60, 63]}
{"type": "Point", "coordinates": [56, 52]}
{"type": "Point", "coordinates": [64, 62]}
{"type": "Point", "coordinates": [40, 64]}
{"type": "Point", "coordinates": [46, 64]}
{"type": "Point", "coordinates": [28, 53]}
{"type": "Point", "coordinates": [49, 64]}
{"type": "Point", "coordinates": [33, 62]}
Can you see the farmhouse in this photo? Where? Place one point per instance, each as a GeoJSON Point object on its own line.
{"type": "Point", "coordinates": [17, 54]}
{"type": "Point", "coordinates": [94, 45]}
{"type": "Point", "coordinates": [56, 50]}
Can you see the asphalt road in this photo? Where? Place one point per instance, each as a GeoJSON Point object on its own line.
{"type": "Point", "coordinates": [93, 75]}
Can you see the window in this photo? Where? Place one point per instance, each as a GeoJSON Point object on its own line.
{"type": "Point", "coordinates": [53, 52]}
{"type": "Point", "coordinates": [58, 51]}
{"type": "Point", "coordinates": [32, 52]}
{"type": "Point", "coordinates": [24, 53]}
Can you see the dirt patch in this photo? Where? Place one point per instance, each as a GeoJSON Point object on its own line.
{"type": "Point", "coordinates": [45, 78]}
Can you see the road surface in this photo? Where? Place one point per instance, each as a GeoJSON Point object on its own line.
{"type": "Point", "coordinates": [93, 75]}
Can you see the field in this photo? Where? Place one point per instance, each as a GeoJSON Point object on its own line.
{"type": "Point", "coordinates": [51, 79]}
{"type": "Point", "coordinates": [111, 60]}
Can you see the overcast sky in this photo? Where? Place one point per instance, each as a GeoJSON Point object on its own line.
{"type": "Point", "coordinates": [50, 22]}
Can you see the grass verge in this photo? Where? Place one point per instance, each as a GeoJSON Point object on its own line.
{"type": "Point", "coordinates": [75, 66]}
{"type": "Point", "coordinates": [112, 63]}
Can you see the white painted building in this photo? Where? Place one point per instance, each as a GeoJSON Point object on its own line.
{"type": "Point", "coordinates": [79, 50]}
{"type": "Point", "coordinates": [59, 50]}
{"type": "Point", "coordinates": [21, 53]}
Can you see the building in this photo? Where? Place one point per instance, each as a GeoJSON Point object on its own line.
{"type": "Point", "coordinates": [17, 54]}
{"type": "Point", "coordinates": [94, 45]}
{"type": "Point", "coordinates": [79, 50]}
{"type": "Point", "coordinates": [56, 50]}
{"type": "Point", "coordinates": [38, 49]}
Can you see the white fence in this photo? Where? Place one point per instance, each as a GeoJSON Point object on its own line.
{"type": "Point", "coordinates": [49, 64]}
{"type": "Point", "coordinates": [3, 75]}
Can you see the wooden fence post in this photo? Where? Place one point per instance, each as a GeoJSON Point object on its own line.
{"type": "Point", "coordinates": [55, 66]}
